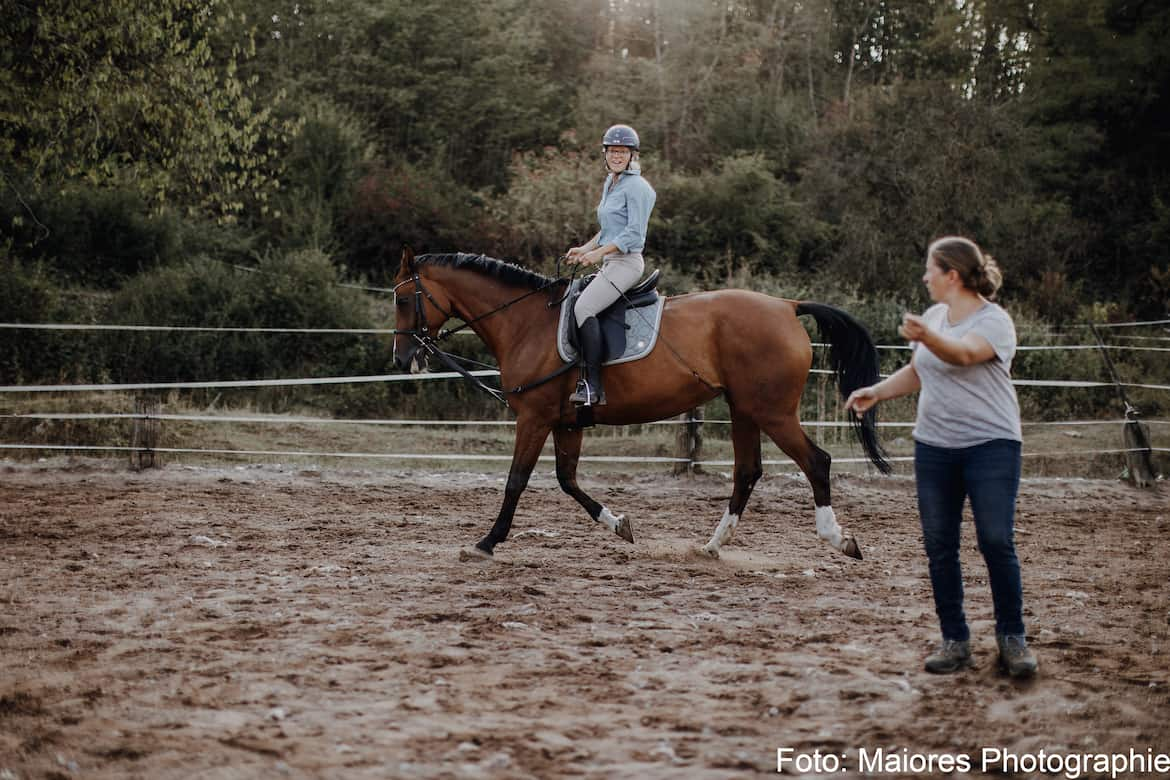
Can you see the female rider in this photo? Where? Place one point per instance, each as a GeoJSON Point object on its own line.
{"type": "Point", "coordinates": [624, 212]}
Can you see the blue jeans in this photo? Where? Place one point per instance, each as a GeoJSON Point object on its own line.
{"type": "Point", "coordinates": [989, 474]}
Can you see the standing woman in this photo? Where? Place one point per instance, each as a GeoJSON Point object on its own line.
{"type": "Point", "coordinates": [967, 443]}
{"type": "Point", "coordinates": [624, 213]}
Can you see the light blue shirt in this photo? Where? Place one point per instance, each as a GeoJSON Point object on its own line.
{"type": "Point", "coordinates": [624, 212]}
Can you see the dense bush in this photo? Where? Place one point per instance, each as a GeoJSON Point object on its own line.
{"type": "Point", "coordinates": [93, 236]}
{"type": "Point", "coordinates": [328, 154]}
{"type": "Point", "coordinates": [295, 290]}
{"type": "Point", "coordinates": [407, 205]}
{"type": "Point", "coordinates": [28, 295]}
{"type": "Point", "coordinates": [549, 205]}
{"type": "Point", "coordinates": [738, 213]}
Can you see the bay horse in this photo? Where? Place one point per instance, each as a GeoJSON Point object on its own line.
{"type": "Point", "coordinates": [746, 345]}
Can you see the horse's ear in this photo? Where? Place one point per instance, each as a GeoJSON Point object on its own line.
{"type": "Point", "coordinates": [407, 266]}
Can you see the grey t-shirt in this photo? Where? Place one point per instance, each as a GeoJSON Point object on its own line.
{"type": "Point", "coordinates": [962, 406]}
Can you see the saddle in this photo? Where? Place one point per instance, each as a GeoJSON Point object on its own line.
{"type": "Point", "coordinates": [629, 327]}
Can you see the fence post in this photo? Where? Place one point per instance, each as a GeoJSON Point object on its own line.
{"type": "Point", "coordinates": [689, 442]}
{"type": "Point", "coordinates": [1134, 435]}
{"type": "Point", "coordinates": [820, 432]}
{"type": "Point", "coordinates": [147, 431]}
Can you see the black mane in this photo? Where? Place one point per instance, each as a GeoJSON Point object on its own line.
{"type": "Point", "coordinates": [482, 264]}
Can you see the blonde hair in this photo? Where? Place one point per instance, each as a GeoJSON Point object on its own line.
{"type": "Point", "coordinates": [977, 269]}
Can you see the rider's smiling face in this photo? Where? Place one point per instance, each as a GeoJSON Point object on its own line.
{"type": "Point", "coordinates": [617, 158]}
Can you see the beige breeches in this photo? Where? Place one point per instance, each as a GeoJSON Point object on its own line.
{"type": "Point", "coordinates": [618, 273]}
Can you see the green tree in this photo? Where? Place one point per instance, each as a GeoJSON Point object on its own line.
{"type": "Point", "coordinates": [461, 84]}
{"type": "Point", "coordinates": [1100, 92]}
{"type": "Point", "coordinates": [131, 93]}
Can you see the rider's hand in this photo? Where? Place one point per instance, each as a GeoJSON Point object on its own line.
{"type": "Point", "coordinates": [592, 258]}
{"type": "Point", "coordinates": [574, 254]}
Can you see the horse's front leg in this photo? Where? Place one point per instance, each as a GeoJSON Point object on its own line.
{"type": "Point", "coordinates": [530, 438]}
{"type": "Point", "coordinates": [568, 446]}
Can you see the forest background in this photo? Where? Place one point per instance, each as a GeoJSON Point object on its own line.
{"type": "Point", "coordinates": [254, 163]}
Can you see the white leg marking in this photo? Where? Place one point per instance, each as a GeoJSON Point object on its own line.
{"type": "Point", "coordinates": [609, 519]}
{"type": "Point", "coordinates": [723, 533]}
{"type": "Point", "coordinates": [827, 527]}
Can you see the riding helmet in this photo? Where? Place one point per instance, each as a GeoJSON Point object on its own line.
{"type": "Point", "coordinates": [620, 135]}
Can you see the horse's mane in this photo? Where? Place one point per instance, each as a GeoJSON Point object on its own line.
{"type": "Point", "coordinates": [507, 273]}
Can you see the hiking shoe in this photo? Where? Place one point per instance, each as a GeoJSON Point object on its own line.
{"type": "Point", "coordinates": [1014, 656]}
{"type": "Point", "coordinates": [951, 656]}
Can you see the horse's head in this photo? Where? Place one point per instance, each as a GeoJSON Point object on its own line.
{"type": "Point", "coordinates": [420, 310]}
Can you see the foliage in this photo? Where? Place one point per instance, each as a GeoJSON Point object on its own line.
{"type": "Point", "coordinates": [326, 157]}
{"type": "Point", "coordinates": [1100, 94]}
{"type": "Point", "coordinates": [406, 205]}
{"type": "Point", "coordinates": [460, 85]}
{"type": "Point", "coordinates": [99, 236]}
{"type": "Point", "coordinates": [127, 93]}
{"type": "Point", "coordinates": [736, 213]}
{"type": "Point", "coordinates": [29, 295]}
{"type": "Point", "coordinates": [549, 204]}
{"type": "Point", "coordinates": [294, 290]}
{"type": "Point", "coordinates": [810, 148]}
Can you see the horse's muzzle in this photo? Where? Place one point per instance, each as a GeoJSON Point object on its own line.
{"type": "Point", "coordinates": [410, 359]}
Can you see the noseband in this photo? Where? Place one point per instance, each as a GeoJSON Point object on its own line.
{"type": "Point", "coordinates": [422, 334]}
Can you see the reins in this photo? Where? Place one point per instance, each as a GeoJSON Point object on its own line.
{"type": "Point", "coordinates": [430, 344]}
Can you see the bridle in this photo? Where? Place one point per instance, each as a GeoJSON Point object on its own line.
{"type": "Point", "coordinates": [421, 332]}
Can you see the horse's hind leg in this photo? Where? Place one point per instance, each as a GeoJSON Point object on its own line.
{"type": "Point", "coordinates": [814, 462]}
{"type": "Point", "coordinates": [568, 446]}
{"type": "Point", "coordinates": [745, 437]}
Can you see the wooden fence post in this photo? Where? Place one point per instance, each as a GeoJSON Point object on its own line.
{"type": "Point", "coordinates": [145, 435]}
{"type": "Point", "coordinates": [689, 442]}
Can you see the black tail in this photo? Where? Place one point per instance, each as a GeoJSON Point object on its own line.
{"type": "Point", "coordinates": [854, 360]}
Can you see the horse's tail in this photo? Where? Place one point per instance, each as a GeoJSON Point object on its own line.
{"type": "Point", "coordinates": [854, 360]}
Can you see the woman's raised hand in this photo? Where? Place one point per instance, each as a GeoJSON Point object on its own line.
{"type": "Point", "coordinates": [861, 400]}
{"type": "Point", "coordinates": [913, 327]}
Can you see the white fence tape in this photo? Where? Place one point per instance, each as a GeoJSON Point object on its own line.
{"type": "Point", "coordinates": [460, 457]}
{"type": "Point", "coordinates": [1028, 348]}
{"type": "Point", "coordinates": [277, 420]}
{"type": "Point", "coordinates": [187, 328]}
{"type": "Point", "coordinates": [391, 331]}
{"type": "Point", "coordinates": [340, 380]}
{"type": "Point", "coordinates": [327, 380]}
{"type": "Point", "coordinates": [1124, 324]}
{"type": "Point", "coordinates": [246, 419]}
{"type": "Point", "coordinates": [320, 454]}
{"type": "Point", "coordinates": [452, 375]}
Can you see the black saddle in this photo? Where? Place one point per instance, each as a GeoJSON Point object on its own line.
{"type": "Point", "coordinates": [613, 318]}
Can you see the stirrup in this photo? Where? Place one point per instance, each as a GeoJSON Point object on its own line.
{"type": "Point", "coordinates": [584, 395]}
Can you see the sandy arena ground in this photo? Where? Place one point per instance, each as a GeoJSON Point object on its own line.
{"type": "Point", "coordinates": [267, 622]}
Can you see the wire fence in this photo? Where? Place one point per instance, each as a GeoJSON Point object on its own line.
{"type": "Point", "coordinates": [147, 417]}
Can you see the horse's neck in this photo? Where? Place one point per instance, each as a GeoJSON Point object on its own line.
{"type": "Point", "coordinates": [503, 331]}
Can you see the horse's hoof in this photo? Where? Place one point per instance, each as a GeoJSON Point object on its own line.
{"type": "Point", "coordinates": [851, 549]}
{"type": "Point", "coordinates": [709, 551]}
{"type": "Point", "coordinates": [474, 554]}
{"type": "Point", "coordinates": [624, 529]}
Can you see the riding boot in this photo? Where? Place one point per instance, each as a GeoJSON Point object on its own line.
{"type": "Point", "coordinates": [589, 390]}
